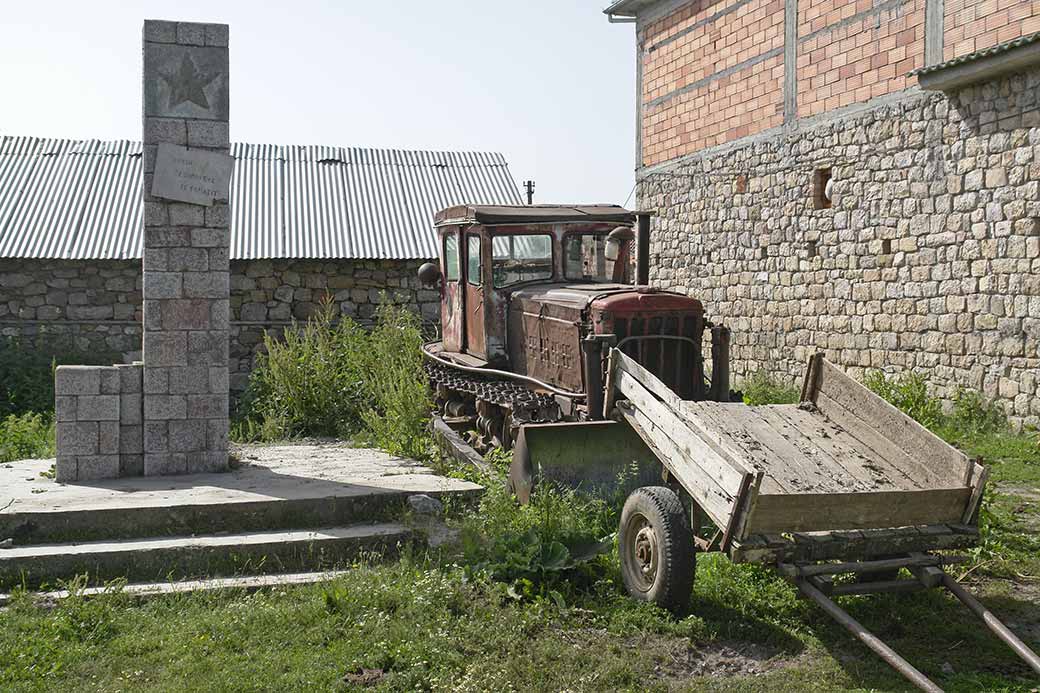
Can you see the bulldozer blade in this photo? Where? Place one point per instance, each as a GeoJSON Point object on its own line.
{"type": "Point", "coordinates": [595, 457]}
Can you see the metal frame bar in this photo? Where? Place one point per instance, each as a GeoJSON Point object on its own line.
{"type": "Point", "coordinates": [814, 581]}
{"type": "Point", "coordinates": [867, 638]}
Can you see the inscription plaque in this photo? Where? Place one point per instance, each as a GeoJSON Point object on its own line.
{"type": "Point", "coordinates": [191, 175]}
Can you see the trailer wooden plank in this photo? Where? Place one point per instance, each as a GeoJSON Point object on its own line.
{"type": "Point", "coordinates": [811, 453]}
{"type": "Point", "coordinates": [807, 512]}
{"type": "Point", "coordinates": [842, 545]}
{"type": "Point", "coordinates": [981, 474]}
{"type": "Point", "coordinates": [726, 432]}
{"type": "Point", "coordinates": [946, 462]}
{"type": "Point", "coordinates": [814, 433]}
{"type": "Point", "coordinates": [732, 473]}
{"type": "Point", "coordinates": [786, 463]}
{"type": "Point", "coordinates": [715, 501]}
{"type": "Point", "coordinates": [894, 456]}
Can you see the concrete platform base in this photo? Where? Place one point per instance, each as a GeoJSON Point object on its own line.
{"type": "Point", "coordinates": [277, 487]}
{"type": "Point", "coordinates": [286, 508]}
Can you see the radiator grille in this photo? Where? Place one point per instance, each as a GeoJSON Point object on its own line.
{"type": "Point", "coordinates": [678, 364]}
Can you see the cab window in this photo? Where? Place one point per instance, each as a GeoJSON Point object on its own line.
{"type": "Point", "coordinates": [451, 258]}
{"type": "Point", "coordinates": [519, 258]}
{"type": "Point", "coordinates": [585, 258]}
{"type": "Point", "coordinates": [473, 260]}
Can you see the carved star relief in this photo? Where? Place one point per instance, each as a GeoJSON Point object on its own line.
{"type": "Point", "coordinates": [187, 84]}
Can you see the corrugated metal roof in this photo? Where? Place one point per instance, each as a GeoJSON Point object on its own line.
{"type": "Point", "coordinates": [81, 200]}
{"type": "Point", "coordinates": [978, 55]}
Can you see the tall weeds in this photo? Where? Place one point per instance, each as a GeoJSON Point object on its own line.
{"type": "Point", "coordinates": [331, 379]}
{"type": "Point", "coordinates": [397, 393]}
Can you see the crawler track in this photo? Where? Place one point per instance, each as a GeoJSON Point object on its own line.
{"type": "Point", "coordinates": [500, 406]}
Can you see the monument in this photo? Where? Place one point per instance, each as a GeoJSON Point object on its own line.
{"type": "Point", "coordinates": [169, 414]}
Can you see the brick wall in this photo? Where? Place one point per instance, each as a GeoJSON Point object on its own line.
{"type": "Point", "coordinates": [711, 74]}
{"type": "Point", "coordinates": [714, 72]}
{"type": "Point", "coordinates": [850, 52]}
{"type": "Point", "coordinates": [928, 258]}
{"type": "Point", "coordinates": [95, 306]}
{"type": "Point", "coordinates": [972, 25]}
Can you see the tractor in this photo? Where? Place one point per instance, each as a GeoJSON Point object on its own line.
{"type": "Point", "coordinates": [532, 299]}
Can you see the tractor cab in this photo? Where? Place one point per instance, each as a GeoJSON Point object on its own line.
{"type": "Point", "coordinates": [489, 253]}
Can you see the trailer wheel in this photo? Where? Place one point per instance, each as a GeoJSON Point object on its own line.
{"type": "Point", "coordinates": [656, 548]}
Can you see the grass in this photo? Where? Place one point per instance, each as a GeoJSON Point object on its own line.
{"type": "Point", "coordinates": [507, 610]}
{"type": "Point", "coordinates": [426, 624]}
{"type": "Point", "coordinates": [761, 388]}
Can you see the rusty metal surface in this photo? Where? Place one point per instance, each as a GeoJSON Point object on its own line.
{"type": "Point", "coordinates": [677, 363]}
{"type": "Point", "coordinates": [473, 306]}
{"type": "Point", "coordinates": [452, 298]}
{"type": "Point", "coordinates": [570, 293]}
{"type": "Point", "coordinates": [544, 340]}
{"type": "Point", "coordinates": [589, 456]}
{"type": "Point", "coordinates": [535, 328]}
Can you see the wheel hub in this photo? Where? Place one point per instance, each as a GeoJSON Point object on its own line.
{"type": "Point", "coordinates": [645, 550]}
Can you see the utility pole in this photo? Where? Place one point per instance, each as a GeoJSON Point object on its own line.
{"type": "Point", "coordinates": [529, 187]}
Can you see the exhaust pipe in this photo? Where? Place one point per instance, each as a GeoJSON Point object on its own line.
{"type": "Point", "coordinates": [720, 363]}
{"type": "Point", "coordinates": [643, 249]}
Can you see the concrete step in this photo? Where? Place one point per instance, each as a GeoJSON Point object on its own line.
{"type": "Point", "coordinates": [145, 590]}
{"type": "Point", "coordinates": [178, 558]}
{"type": "Point", "coordinates": [281, 487]}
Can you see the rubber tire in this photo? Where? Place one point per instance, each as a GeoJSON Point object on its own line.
{"type": "Point", "coordinates": [677, 562]}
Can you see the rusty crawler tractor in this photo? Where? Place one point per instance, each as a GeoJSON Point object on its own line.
{"type": "Point", "coordinates": [547, 349]}
{"type": "Point", "coordinates": [532, 298]}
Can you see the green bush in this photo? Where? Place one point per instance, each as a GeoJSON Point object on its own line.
{"type": "Point", "coordinates": [396, 391]}
{"type": "Point", "coordinates": [761, 388]}
{"type": "Point", "coordinates": [339, 380]}
{"type": "Point", "coordinates": [558, 543]}
{"type": "Point", "coordinates": [973, 414]}
{"type": "Point", "coordinates": [909, 393]}
{"type": "Point", "coordinates": [26, 436]}
{"type": "Point", "coordinates": [308, 382]}
{"type": "Point", "coordinates": [27, 371]}
{"type": "Point", "coordinates": [535, 548]}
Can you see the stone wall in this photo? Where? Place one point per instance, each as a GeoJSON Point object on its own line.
{"type": "Point", "coordinates": [95, 306]}
{"type": "Point", "coordinates": [928, 257]}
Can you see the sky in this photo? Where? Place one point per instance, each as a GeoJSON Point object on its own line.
{"type": "Point", "coordinates": [549, 83]}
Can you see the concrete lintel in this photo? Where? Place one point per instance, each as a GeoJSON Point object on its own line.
{"type": "Point", "coordinates": [844, 113]}
{"type": "Point", "coordinates": [790, 61]}
{"type": "Point", "coordinates": [934, 27]}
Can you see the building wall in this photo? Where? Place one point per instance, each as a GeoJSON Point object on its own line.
{"type": "Point", "coordinates": [713, 72]}
{"type": "Point", "coordinates": [929, 257]}
{"type": "Point", "coordinates": [95, 306]}
{"type": "Point", "coordinates": [855, 51]}
{"type": "Point", "coordinates": [971, 25]}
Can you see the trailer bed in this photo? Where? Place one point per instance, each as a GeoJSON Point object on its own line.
{"type": "Point", "coordinates": [811, 480]}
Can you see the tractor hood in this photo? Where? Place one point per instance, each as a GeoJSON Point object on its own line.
{"type": "Point", "coordinates": [612, 298]}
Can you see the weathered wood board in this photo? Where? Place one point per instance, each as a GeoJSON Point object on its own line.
{"type": "Point", "coordinates": [846, 461]}
{"type": "Point", "coordinates": [852, 544]}
{"type": "Point", "coordinates": [707, 473]}
{"type": "Point", "coordinates": [948, 465]}
{"type": "Point", "coordinates": [809, 512]}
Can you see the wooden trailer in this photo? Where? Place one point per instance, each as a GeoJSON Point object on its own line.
{"type": "Point", "coordinates": [842, 483]}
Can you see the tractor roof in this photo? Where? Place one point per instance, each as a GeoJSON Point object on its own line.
{"type": "Point", "coordinates": [533, 214]}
